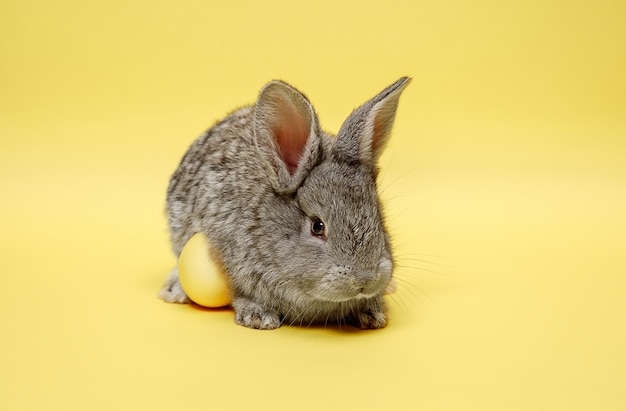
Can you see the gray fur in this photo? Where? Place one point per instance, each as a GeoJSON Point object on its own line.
{"type": "Point", "coordinates": [252, 184]}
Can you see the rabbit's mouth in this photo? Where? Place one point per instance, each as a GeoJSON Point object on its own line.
{"type": "Point", "coordinates": [342, 283]}
{"type": "Point", "coordinates": [360, 296]}
{"type": "Point", "coordinates": [343, 298]}
{"type": "Point", "coordinates": [342, 293]}
{"type": "Point", "coordinates": [363, 295]}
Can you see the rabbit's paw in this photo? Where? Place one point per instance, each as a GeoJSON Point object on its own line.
{"type": "Point", "coordinates": [252, 315]}
{"type": "Point", "coordinates": [172, 291]}
{"type": "Point", "coordinates": [371, 319]}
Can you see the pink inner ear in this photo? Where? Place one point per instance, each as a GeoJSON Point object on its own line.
{"type": "Point", "coordinates": [382, 127]}
{"type": "Point", "coordinates": [379, 132]}
{"type": "Point", "coordinates": [292, 133]}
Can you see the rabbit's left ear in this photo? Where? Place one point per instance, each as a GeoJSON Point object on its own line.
{"type": "Point", "coordinates": [365, 132]}
{"type": "Point", "coordinates": [286, 134]}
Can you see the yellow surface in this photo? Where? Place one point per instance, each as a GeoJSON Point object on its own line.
{"type": "Point", "coordinates": [202, 279]}
{"type": "Point", "coordinates": [505, 185]}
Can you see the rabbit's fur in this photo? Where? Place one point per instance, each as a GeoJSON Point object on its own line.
{"type": "Point", "coordinates": [259, 182]}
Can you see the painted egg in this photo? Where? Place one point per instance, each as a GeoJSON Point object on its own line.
{"type": "Point", "coordinates": [202, 279]}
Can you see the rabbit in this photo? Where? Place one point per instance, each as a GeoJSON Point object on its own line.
{"type": "Point", "coordinates": [291, 212]}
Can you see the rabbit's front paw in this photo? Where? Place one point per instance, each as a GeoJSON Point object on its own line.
{"type": "Point", "coordinates": [252, 315]}
{"type": "Point", "coordinates": [172, 291]}
{"type": "Point", "coordinates": [371, 319]}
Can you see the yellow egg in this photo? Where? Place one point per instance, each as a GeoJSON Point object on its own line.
{"type": "Point", "coordinates": [202, 279]}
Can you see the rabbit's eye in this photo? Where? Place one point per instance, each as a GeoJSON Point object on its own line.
{"type": "Point", "coordinates": [318, 228]}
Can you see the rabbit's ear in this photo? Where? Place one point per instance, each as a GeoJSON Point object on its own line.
{"type": "Point", "coordinates": [365, 132]}
{"type": "Point", "coordinates": [286, 134]}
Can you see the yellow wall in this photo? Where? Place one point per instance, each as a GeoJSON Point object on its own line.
{"type": "Point", "coordinates": [505, 185]}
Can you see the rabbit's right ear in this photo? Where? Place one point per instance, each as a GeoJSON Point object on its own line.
{"type": "Point", "coordinates": [363, 135]}
{"type": "Point", "coordinates": [286, 134]}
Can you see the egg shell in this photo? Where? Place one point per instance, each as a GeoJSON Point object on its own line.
{"type": "Point", "coordinates": [202, 279]}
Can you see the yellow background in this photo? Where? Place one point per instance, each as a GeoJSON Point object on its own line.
{"type": "Point", "coordinates": [505, 185]}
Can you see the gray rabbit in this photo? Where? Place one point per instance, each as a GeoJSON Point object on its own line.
{"type": "Point", "coordinates": [291, 212]}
